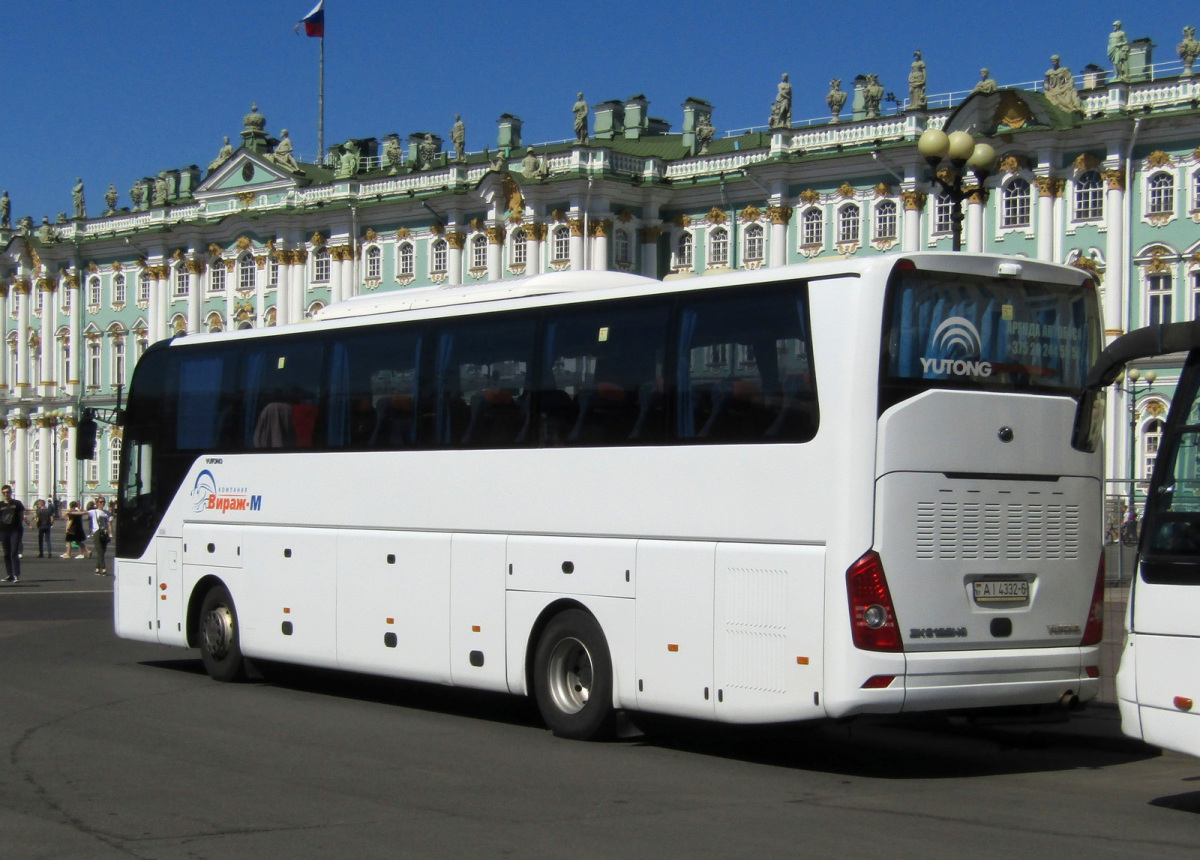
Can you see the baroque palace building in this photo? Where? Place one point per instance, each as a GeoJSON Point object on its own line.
{"type": "Point", "coordinates": [1105, 177]}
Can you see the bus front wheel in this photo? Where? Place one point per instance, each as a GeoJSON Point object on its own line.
{"type": "Point", "coordinates": [573, 680]}
{"type": "Point", "coordinates": [220, 644]}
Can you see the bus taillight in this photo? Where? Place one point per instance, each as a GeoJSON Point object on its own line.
{"type": "Point", "coordinates": [872, 616]}
{"type": "Point", "coordinates": [1093, 633]}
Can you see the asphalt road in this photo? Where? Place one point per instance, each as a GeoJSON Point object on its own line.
{"type": "Point", "coordinates": [114, 749]}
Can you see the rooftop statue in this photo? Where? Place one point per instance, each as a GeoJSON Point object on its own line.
{"type": "Point", "coordinates": [46, 232]}
{"type": "Point", "coordinates": [458, 135]}
{"type": "Point", "coordinates": [581, 119]}
{"type": "Point", "coordinates": [1118, 52]}
{"type": "Point", "coordinates": [158, 196]}
{"type": "Point", "coordinates": [916, 84]}
{"type": "Point", "coordinates": [835, 98]}
{"type": "Point", "coordinates": [111, 197]}
{"type": "Point", "coordinates": [704, 133]}
{"type": "Point", "coordinates": [873, 97]}
{"type": "Point", "coordinates": [1060, 87]}
{"type": "Point", "coordinates": [5, 212]}
{"type": "Point", "coordinates": [529, 164]}
{"type": "Point", "coordinates": [224, 155]}
{"type": "Point", "coordinates": [138, 193]}
{"type": "Point", "coordinates": [426, 152]}
{"type": "Point", "coordinates": [283, 153]}
{"type": "Point", "coordinates": [986, 84]}
{"type": "Point", "coordinates": [348, 161]}
{"type": "Point", "coordinates": [77, 197]}
{"type": "Point", "coordinates": [392, 155]}
{"type": "Point", "coordinates": [781, 108]}
{"type": "Point", "coordinates": [1188, 50]}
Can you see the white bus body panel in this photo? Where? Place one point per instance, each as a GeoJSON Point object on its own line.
{"type": "Point", "coordinates": [135, 600]}
{"type": "Point", "coordinates": [1161, 662]}
{"type": "Point", "coordinates": [477, 624]}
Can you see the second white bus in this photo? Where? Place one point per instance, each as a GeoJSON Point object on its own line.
{"type": "Point", "coordinates": [793, 493]}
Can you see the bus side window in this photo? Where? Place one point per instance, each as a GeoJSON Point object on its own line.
{"type": "Point", "coordinates": [373, 388]}
{"type": "Point", "coordinates": [282, 394]}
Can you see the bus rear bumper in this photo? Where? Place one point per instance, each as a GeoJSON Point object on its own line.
{"type": "Point", "coordinates": [984, 679]}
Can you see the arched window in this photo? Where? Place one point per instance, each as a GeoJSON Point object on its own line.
{"type": "Point", "coordinates": [849, 219]}
{"type": "Point", "coordinates": [1151, 438]}
{"type": "Point", "coordinates": [407, 261]}
{"type": "Point", "coordinates": [812, 228]}
{"type": "Point", "coordinates": [520, 248]}
{"type": "Point", "coordinates": [438, 257]}
{"type": "Point", "coordinates": [118, 289]}
{"type": "Point", "coordinates": [683, 251]}
{"type": "Point", "coordinates": [216, 276]}
{"type": "Point", "coordinates": [246, 274]}
{"type": "Point", "coordinates": [272, 273]}
{"type": "Point", "coordinates": [93, 363]}
{"type": "Point", "coordinates": [886, 221]}
{"type": "Point", "coordinates": [1159, 289]}
{"type": "Point", "coordinates": [143, 292]}
{"type": "Point", "coordinates": [1017, 203]}
{"type": "Point", "coordinates": [943, 214]}
{"type": "Point", "coordinates": [1160, 194]}
{"type": "Point", "coordinates": [374, 263]}
{"type": "Point", "coordinates": [1089, 196]}
{"type": "Point", "coordinates": [321, 266]}
{"type": "Point", "coordinates": [114, 460]}
{"type": "Point", "coordinates": [622, 248]}
{"type": "Point", "coordinates": [561, 245]}
{"type": "Point", "coordinates": [181, 282]}
{"type": "Point", "coordinates": [754, 243]}
{"type": "Point", "coordinates": [94, 291]}
{"type": "Point", "coordinates": [479, 252]}
{"type": "Point", "coordinates": [118, 360]}
{"type": "Point", "coordinates": [718, 247]}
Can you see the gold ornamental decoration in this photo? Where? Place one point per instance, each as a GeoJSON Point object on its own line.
{"type": "Point", "coordinates": [810, 197]}
{"type": "Point", "coordinates": [780, 214]}
{"type": "Point", "coordinates": [403, 233]}
{"type": "Point", "coordinates": [1086, 161]}
{"type": "Point", "coordinates": [600, 228]}
{"type": "Point", "coordinates": [846, 191]}
{"type": "Point", "coordinates": [1088, 265]}
{"type": "Point", "coordinates": [716, 216]}
{"type": "Point", "coordinates": [624, 216]}
{"type": "Point", "coordinates": [650, 235]}
{"type": "Point", "coordinates": [243, 243]}
{"type": "Point", "coordinates": [1115, 179]}
{"type": "Point", "coordinates": [456, 240]}
{"type": "Point", "coordinates": [682, 221]}
{"type": "Point", "coordinates": [576, 226]}
{"type": "Point", "coordinates": [317, 240]}
{"type": "Point", "coordinates": [370, 236]}
{"type": "Point", "coordinates": [914, 201]}
{"type": "Point", "coordinates": [1158, 158]}
{"type": "Point", "coordinates": [882, 189]}
{"type": "Point", "coordinates": [495, 235]}
{"type": "Point", "coordinates": [750, 214]}
{"type": "Point", "coordinates": [536, 232]}
{"type": "Point", "coordinates": [1157, 265]}
{"type": "Point", "coordinates": [246, 197]}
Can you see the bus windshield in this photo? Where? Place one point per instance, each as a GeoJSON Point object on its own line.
{"type": "Point", "coordinates": [950, 330]}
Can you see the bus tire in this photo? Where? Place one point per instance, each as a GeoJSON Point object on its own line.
{"type": "Point", "coordinates": [573, 679]}
{"type": "Point", "coordinates": [220, 641]}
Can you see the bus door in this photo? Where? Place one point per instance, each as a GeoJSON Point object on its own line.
{"type": "Point", "coordinates": [1165, 612]}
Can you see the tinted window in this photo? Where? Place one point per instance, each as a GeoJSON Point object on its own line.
{"type": "Point", "coordinates": [373, 388]}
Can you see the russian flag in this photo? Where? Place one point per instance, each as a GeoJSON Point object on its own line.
{"type": "Point", "coordinates": [314, 22]}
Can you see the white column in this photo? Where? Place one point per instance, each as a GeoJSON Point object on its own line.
{"type": "Point", "coordinates": [22, 290]}
{"type": "Point", "coordinates": [154, 309]}
{"type": "Point", "coordinates": [75, 336]}
{"type": "Point", "coordinates": [195, 301]}
{"type": "Point", "coordinates": [6, 384]}
{"type": "Point", "coordinates": [455, 240]}
{"type": "Point", "coordinates": [495, 252]}
{"type": "Point", "coordinates": [74, 465]}
{"type": "Point", "coordinates": [1116, 319]}
{"type": "Point", "coordinates": [1045, 217]}
{"type": "Point", "coordinates": [21, 454]}
{"type": "Point", "coordinates": [780, 217]}
{"type": "Point", "coordinates": [299, 286]}
{"type": "Point", "coordinates": [976, 218]}
{"type": "Point", "coordinates": [598, 258]}
{"type": "Point", "coordinates": [535, 239]}
{"type": "Point", "coordinates": [576, 227]}
{"type": "Point", "coordinates": [283, 292]}
{"type": "Point", "coordinates": [262, 275]}
{"type": "Point", "coordinates": [45, 458]}
{"type": "Point", "coordinates": [49, 354]}
{"type": "Point", "coordinates": [649, 235]}
{"type": "Point", "coordinates": [914, 205]}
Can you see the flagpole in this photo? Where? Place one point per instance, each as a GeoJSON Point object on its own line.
{"type": "Point", "coordinates": [321, 105]}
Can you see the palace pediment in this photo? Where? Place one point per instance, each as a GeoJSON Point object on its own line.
{"type": "Point", "coordinates": [247, 171]}
{"type": "Point", "coordinates": [1007, 111]}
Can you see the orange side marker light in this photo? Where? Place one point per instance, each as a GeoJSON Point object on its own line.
{"type": "Point", "coordinates": [1183, 703]}
{"type": "Point", "coordinates": [672, 648]}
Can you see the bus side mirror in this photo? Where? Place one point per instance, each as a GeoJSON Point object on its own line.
{"type": "Point", "coordinates": [1089, 420]}
{"type": "Point", "coordinates": [85, 440]}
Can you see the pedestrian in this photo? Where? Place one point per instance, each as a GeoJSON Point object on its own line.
{"type": "Point", "coordinates": [87, 528]}
{"type": "Point", "coordinates": [74, 536]}
{"type": "Point", "coordinates": [100, 537]}
{"type": "Point", "coordinates": [12, 520]}
{"type": "Point", "coordinates": [43, 518]}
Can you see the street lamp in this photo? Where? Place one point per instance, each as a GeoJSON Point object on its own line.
{"type": "Point", "coordinates": [1133, 391]}
{"type": "Point", "coordinates": [962, 151]}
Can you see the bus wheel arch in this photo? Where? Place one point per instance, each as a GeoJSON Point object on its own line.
{"type": "Point", "coordinates": [571, 673]}
{"type": "Point", "coordinates": [218, 634]}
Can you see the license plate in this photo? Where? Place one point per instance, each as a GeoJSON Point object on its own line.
{"type": "Point", "coordinates": [1001, 591]}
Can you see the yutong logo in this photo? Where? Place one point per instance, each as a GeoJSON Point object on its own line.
{"type": "Point", "coordinates": [957, 337]}
{"type": "Point", "coordinates": [207, 496]}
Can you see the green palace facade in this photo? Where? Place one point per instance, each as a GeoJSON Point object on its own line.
{"type": "Point", "coordinates": [1105, 177]}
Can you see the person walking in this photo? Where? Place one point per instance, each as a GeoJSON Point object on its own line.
{"type": "Point", "coordinates": [74, 536]}
{"type": "Point", "coordinates": [12, 527]}
{"type": "Point", "coordinates": [100, 537]}
{"type": "Point", "coordinates": [43, 518]}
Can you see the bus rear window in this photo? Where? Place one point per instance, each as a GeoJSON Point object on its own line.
{"type": "Point", "coordinates": [948, 330]}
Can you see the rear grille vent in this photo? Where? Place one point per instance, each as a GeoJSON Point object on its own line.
{"type": "Point", "coordinates": [950, 530]}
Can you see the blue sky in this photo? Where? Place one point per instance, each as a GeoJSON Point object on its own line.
{"type": "Point", "coordinates": [111, 90]}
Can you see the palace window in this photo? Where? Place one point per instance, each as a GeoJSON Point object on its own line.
{"type": "Point", "coordinates": [1160, 194]}
{"type": "Point", "coordinates": [118, 289]}
{"type": "Point", "coordinates": [849, 217]}
{"type": "Point", "coordinates": [718, 247]}
{"type": "Point", "coordinates": [407, 261]}
{"type": "Point", "coordinates": [520, 248]}
{"type": "Point", "coordinates": [622, 248]}
{"type": "Point", "coordinates": [943, 214]}
{"type": "Point", "coordinates": [683, 251]}
{"type": "Point", "coordinates": [181, 282]}
{"type": "Point", "coordinates": [93, 291]}
{"type": "Point", "coordinates": [246, 274]}
{"type": "Point", "coordinates": [885, 221]}
{"type": "Point", "coordinates": [812, 227]}
{"type": "Point", "coordinates": [561, 245]}
{"type": "Point", "coordinates": [216, 277]}
{"type": "Point", "coordinates": [273, 273]}
{"type": "Point", "coordinates": [1089, 196]}
{"type": "Point", "coordinates": [1158, 298]}
{"type": "Point", "coordinates": [114, 460]}
{"type": "Point", "coordinates": [321, 266]}
{"type": "Point", "coordinates": [1017, 203]}
{"type": "Point", "coordinates": [438, 257]}
{"type": "Point", "coordinates": [754, 243]}
{"type": "Point", "coordinates": [1151, 437]}
{"type": "Point", "coordinates": [479, 252]}
{"type": "Point", "coordinates": [118, 359]}
{"type": "Point", "coordinates": [93, 364]}
{"type": "Point", "coordinates": [374, 263]}
{"type": "Point", "coordinates": [66, 299]}
{"type": "Point", "coordinates": [1196, 294]}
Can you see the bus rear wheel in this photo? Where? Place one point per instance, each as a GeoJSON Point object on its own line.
{"type": "Point", "coordinates": [220, 643]}
{"type": "Point", "coordinates": [572, 677]}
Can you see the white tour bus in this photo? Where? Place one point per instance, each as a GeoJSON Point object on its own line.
{"type": "Point", "coordinates": [1158, 685]}
{"type": "Point", "coordinates": [791, 493]}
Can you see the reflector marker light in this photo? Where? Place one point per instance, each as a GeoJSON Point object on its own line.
{"type": "Point", "coordinates": [163, 586]}
{"type": "Point", "coordinates": [391, 621]}
{"type": "Point", "coordinates": [803, 661]}
{"type": "Point", "coordinates": [1093, 671]}
{"type": "Point", "coordinates": [1093, 633]}
{"type": "Point", "coordinates": [878, 682]}
{"type": "Point", "coordinates": [672, 647]}
{"type": "Point", "coordinates": [287, 610]}
{"type": "Point", "coordinates": [1183, 703]}
{"type": "Point", "coordinates": [475, 628]}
